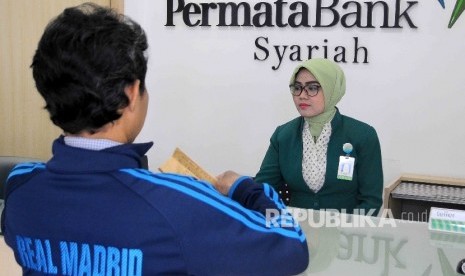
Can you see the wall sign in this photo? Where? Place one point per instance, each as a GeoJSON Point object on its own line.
{"type": "Point", "coordinates": [307, 15]}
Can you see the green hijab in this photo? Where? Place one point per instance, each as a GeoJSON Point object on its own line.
{"type": "Point", "coordinates": [333, 83]}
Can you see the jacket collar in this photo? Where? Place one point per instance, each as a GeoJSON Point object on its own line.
{"type": "Point", "coordinates": [71, 159]}
{"type": "Point", "coordinates": [337, 120]}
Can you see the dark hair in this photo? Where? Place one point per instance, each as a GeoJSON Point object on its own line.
{"type": "Point", "coordinates": [85, 59]}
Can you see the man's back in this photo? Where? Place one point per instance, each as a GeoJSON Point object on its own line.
{"type": "Point", "coordinates": [92, 210]}
{"type": "Point", "coordinates": [105, 215]}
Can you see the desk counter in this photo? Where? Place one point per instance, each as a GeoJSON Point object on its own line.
{"type": "Point", "coordinates": [361, 246]}
{"type": "Point", "coordinates": [377, 246]}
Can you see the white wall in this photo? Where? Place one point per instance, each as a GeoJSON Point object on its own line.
{"type": "Point", "coordinates": [209, 96]}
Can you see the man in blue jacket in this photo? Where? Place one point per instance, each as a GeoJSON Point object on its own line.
{"type": "Point", "coordinates": [91, 209]}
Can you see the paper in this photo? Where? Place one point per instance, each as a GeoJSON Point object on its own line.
{"type": "Point", "coordinates": [180, 163]}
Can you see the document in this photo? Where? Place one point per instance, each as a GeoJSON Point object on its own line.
{"type": "Point", "coordinates": [180, 163]}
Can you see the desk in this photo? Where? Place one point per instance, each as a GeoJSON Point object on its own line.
{"type": "Point", "coordinates": [408, 248]}
{"type": "Point", "coordinates": [405, 248]}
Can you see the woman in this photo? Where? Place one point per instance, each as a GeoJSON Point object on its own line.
{"type": "Point", "coordinates": [326, 160]}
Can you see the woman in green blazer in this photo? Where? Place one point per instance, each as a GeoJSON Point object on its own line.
{"type": "Point", "coordinates": [327, 160]}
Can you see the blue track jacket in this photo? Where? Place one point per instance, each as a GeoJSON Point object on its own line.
{"type": "Point", "coordinates": [97, 213]}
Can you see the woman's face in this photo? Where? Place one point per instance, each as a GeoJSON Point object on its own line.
{"type": "Point", "coordinates": [308, 106]}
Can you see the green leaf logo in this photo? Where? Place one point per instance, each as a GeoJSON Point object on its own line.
{"type": "Point", "coordinates": [458, 9]}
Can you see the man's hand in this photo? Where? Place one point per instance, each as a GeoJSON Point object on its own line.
{"type": "Point", "coordinates": [225, 181]}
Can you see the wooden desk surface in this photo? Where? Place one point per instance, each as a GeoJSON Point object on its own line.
{"type": "Point", "coordinates": [8, 265]}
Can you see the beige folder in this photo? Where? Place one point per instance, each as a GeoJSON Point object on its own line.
{"type": "Point", "coordinates": [180, 163]}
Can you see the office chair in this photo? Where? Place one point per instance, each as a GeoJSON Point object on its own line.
{"type": "Point", "coordinates": [6, 165]}
{"type": "Point", "coordinates": [285, 194]}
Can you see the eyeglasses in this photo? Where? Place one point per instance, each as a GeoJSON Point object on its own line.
{"type": "Point", "coordinates": [311, 89]}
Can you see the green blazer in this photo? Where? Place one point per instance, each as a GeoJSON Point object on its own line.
{"type": "Point", "coordinates": [283, 164]}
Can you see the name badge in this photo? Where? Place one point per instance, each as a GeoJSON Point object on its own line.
{"type": "Point", "coordinates": [345, 169]}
